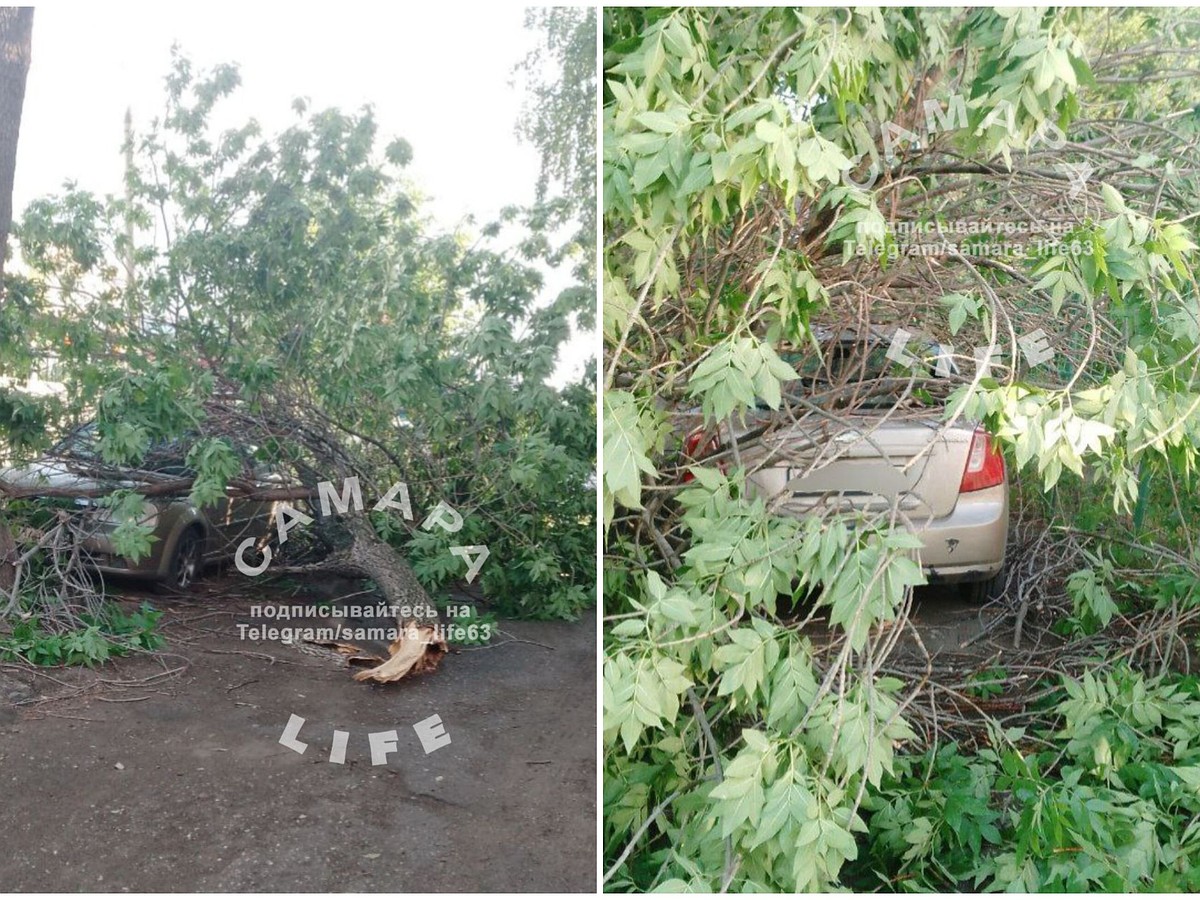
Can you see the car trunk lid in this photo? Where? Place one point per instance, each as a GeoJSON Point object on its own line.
{"type": "Point", "coordinates": [864, 464]}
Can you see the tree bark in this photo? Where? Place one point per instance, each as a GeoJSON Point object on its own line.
{"type": "Point", "coordinates": [369, 556]}
{"type": "Point", "coordinates": [16, 41]}
{"type": "Point", "coordinates": [390, 571]}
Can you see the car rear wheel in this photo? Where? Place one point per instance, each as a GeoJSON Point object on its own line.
{"type": "Point", "coordinates": [983, 591]}
{"type": "Point", "coordinates": [187, 562]}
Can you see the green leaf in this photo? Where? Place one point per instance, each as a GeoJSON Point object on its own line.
{"type": "Point", "coordinates": [1112, 198]}
{"type": "Point", "coordinates": [663, 123]}
{"type": "Point", "coordinates": [767, 132]}
{"type": "Point", "coordinates": [626, 444]}
{"type": "Point", "coordinates": [629, 628]}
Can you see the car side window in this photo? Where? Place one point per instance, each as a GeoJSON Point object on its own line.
{"type": "Point", "coordinates": [169, 458]}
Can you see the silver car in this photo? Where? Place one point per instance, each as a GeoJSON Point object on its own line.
{"type": "Point", "coordinates": [869, 436]}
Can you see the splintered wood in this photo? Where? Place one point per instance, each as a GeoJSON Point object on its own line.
{"type": "Point", "coordinates": [417, 650]}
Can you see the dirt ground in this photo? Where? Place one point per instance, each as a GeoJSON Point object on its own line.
{"type": "Point", "coordinates": [952, 626]}
{"type": "Point", "coordinates": [139, 779]}
{"type": "Point", "coordinates": [959, 635]}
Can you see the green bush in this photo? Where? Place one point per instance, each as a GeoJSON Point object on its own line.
{"type": "Point", "coordinates": [1114, 807]}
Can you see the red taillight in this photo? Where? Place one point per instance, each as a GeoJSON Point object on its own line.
{"type": "Point", "coordinates": [985, 464]}
{"type": "Point", "coordinates": [692, 449]}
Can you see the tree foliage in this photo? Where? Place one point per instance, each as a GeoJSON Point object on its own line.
{"type": "Point", "coordinates": [559, 119]}
{"type": "Point", "coordinates": [765, 171]}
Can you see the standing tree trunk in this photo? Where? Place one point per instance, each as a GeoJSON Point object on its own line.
{"type": "Point", "coordinates": [16, 41]}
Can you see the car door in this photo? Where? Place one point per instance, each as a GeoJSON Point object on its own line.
{"type": "Point", "coordinates": [241, 517]}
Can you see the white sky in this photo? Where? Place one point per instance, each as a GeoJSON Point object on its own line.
{"type": "Point", "coordinates": [437, 75]}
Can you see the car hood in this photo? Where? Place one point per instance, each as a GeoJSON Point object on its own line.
{"type": "Point", "coordinates": [59, 473]}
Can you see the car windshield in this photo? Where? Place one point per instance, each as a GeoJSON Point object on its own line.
{"type": "Point", "coordinates": [79, 444]}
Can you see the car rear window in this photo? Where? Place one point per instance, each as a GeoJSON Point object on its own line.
{"type": "Point", "coordinates": [862, 374]}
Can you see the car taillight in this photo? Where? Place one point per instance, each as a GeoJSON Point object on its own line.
{"type": "Point", "coordinates": [692, 450]}
{"type": "Point", "coordinates": [985, 464]}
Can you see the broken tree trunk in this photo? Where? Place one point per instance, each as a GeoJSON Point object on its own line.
{"type": "Point", "coordinates": [417, 650]}
{"type": "Point", "coordinates": [419, 646]}
{"type": "Point", "coordinates": [376, 559]}
{"type": "Point", "coordinates": [369, 556]}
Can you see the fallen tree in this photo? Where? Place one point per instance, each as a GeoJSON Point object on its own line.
{"type": "Point", "coordinates": [283, 294]}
